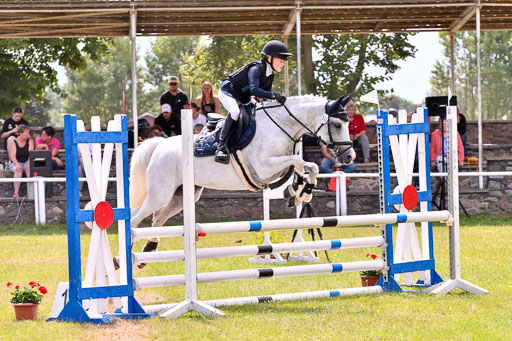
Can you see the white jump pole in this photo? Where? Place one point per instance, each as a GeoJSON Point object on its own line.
{"type": "Point", "coordinates": [290, 224]}
{"type": "Point", "coordinates": [253, 250]}
{"type": "Point", "coordinates": [236, 275]}
{"type": "Point", "coordinates": [274, 298]}
{"type": "Point", "coordinates": [455, 281]}
{"type": "Point", "coordinates": [189, 220]}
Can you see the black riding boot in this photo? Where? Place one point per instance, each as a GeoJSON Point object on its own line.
{"type": "Point", "coordinates": [222, 153]}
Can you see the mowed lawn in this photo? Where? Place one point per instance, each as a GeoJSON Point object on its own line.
{"type": "Point", "coordinates": [30, 253]}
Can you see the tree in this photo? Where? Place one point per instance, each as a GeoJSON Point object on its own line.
{"type": "Point", "coordinates": [344, 61]}
{"type": "Point", "coordinates": [496, 72]}
{"type": "Point", "coordinates": [26, 71]}
{"type": "Point", "coordinates": [97, 89]}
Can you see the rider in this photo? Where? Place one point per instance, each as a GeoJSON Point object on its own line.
{"type": "Point", "coordinates": [254, 78]}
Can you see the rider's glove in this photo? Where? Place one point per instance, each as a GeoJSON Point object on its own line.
{"type": "Point", "coordinates": [280, 98]}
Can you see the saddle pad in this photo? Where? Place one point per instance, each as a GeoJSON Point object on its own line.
{"type": "Point", "coordinates": [206, 142]}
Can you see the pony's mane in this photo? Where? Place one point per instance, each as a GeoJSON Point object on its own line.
{"type": "Point", "coordinates": [309, 98]}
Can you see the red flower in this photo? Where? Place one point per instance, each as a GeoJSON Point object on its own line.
{"type": "Point", "coordinates": [374, 256]}
{"type": "Point", "coordinates": [32, 284]}
{"type": "Point", "coordinates": [42, 290]}
{"type": "Point", "coordinates": [9, 284]}
{"type": "Point", "coordinates": [17, 287]}
{"type": "Point", "coordinates": [367, 255]}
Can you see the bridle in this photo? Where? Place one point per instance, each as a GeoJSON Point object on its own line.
{"type": "Point", "coordinates": [341, 114]}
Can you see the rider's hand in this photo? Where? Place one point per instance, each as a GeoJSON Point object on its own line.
{"type": "Point", "coordinates": [280, 98]}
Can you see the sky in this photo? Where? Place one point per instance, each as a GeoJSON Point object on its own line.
{"type": "Point", "coordinates": [410, 82]}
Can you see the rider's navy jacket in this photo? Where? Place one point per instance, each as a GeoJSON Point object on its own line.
{"type": "Point", "coordinates": [250, 79]}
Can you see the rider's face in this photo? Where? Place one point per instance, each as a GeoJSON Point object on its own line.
{"type": "Point", "coordinates": [278, 64]}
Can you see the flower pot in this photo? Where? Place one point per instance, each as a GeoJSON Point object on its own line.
{"type": "Point", "coordinates": [26, 311]}
{"type": "Point", "coordinates": [369, 281]}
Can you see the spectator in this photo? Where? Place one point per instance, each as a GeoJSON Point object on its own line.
{"type": "Point", "coordinates": [170, 123]}
{"type": "Point", "coordinates": [197, 117]}
{"type": "Point", "coordinates": [19, 155]}
{"type": "Point", "coordinates": [10, 127]}
{"type": "Point", "coordinates": [208, 102]}
{"type": "Point", "coordinates": [198, 127]}
{"type": "Point", "coordinates": [176, 98]}
{"type": "Point", "coordinates": [461, 129]}
{"type": "Point", "coordinates": [47, 141]}
{"type": "Point", "coordinates": [156, 131]}
{"type": "Point", "coordinates": [435, 149]}
{"type": "Point", "coordinates": [329, 162]}
{"type": "Point", "coordinates": [357, 130]}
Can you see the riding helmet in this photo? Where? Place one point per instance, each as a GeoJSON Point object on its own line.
{"type": "Point", "coordinates": [277, 49]}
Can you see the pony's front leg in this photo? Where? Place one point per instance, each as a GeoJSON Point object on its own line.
{"type": "Point", "coordinates": [307, 192]}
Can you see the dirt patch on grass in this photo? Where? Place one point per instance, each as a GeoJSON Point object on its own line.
{"type": "Point", "coordinates": [119, 329]}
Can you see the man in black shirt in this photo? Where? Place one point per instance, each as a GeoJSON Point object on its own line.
{"type": "Point", "coordinates": [169, 122]}
{"type": "Point", "coordinates": [10, 127]}
{"type": "Point", "coordinates": [176, 98]}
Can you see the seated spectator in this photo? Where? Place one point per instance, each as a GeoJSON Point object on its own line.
{"type": "Point", "coordinates": [461, 129]}
{"type": "Point", "coordinates": [208, 102]}
{"type": "Point", "coordinates": [198, 127]}
{"type": "Point", "coordinates": [197, 117]}
{"type": "Point", "coordinates": [357, 130]}
{"type": "Point", "coordinates": [19, 155]}
{"type": "Point", "coordinates": [47, 141]}
{"type": "Point", "coordinates": [156, 131]}
{"type": "Point", "coordinates": [436, 159]}
{"type": "Point", "coordinates": [170, 123]}
{"type": "Point", "coordinates": [329, 162]}
{"type": "Point", "coordinates": [10, 127]}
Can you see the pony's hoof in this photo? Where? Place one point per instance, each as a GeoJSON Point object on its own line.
{"type": "Point", "coordinates": [141, 265]}
{"type": "Point", "coordinates": [291, 202]}
{"type": "Point", "coordinates": [150, 246]}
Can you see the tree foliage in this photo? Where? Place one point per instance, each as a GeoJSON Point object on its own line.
{"type": "Point", "coordinates": [496, 73]}
{"type": "Point", "coordinates": [348, 63]}
{"type": "Point", "coordinates": [26, 69]}
{"type": "Point", "coordinates": [97, 89]}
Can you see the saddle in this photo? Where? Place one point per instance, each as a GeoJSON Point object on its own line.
{"type": "Point", "coordinates": [207, 140]}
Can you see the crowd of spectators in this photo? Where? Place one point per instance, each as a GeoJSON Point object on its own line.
{"type": "Point", "coordinates": [16, 132]}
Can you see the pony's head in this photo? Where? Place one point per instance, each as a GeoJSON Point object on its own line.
{"type": "Point", "coordinates": [334, 130]}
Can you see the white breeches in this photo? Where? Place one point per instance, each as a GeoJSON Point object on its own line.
{"type": "Point", "coordinates": [230, 104]}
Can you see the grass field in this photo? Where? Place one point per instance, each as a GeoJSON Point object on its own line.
{"type": "Point", "coordinates": [40, 254]}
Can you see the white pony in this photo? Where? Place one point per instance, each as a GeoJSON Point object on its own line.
{"type": "Point", "coordinates": [156, 166]}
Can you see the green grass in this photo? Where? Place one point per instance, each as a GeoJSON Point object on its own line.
{"type": "Point", "coordinates": [40, 253]}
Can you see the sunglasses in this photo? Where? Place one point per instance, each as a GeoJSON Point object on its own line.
{"type": "Point", "coordinates": [173, 83]}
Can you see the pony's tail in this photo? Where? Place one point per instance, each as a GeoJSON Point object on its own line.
{"type": "Point", "coordinates": [138, 169]}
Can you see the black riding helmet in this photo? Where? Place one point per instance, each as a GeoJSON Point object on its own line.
{"type": "Point", "coordinates": [277, 49]}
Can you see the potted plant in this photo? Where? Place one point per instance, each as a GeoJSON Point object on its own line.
{"type": "Point", "coordinates": [370, 277]}
{"type": "Point", "coordinates": [26, 301]}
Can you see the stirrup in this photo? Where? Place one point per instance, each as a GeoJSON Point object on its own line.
{"type": "Point", "coordinates": [222, 157]}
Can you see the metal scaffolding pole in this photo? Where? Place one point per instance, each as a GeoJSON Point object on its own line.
{"type": "Point", "coordinates": [479, 91]}
{"type": "Point", "coordinates": [133, 31]}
